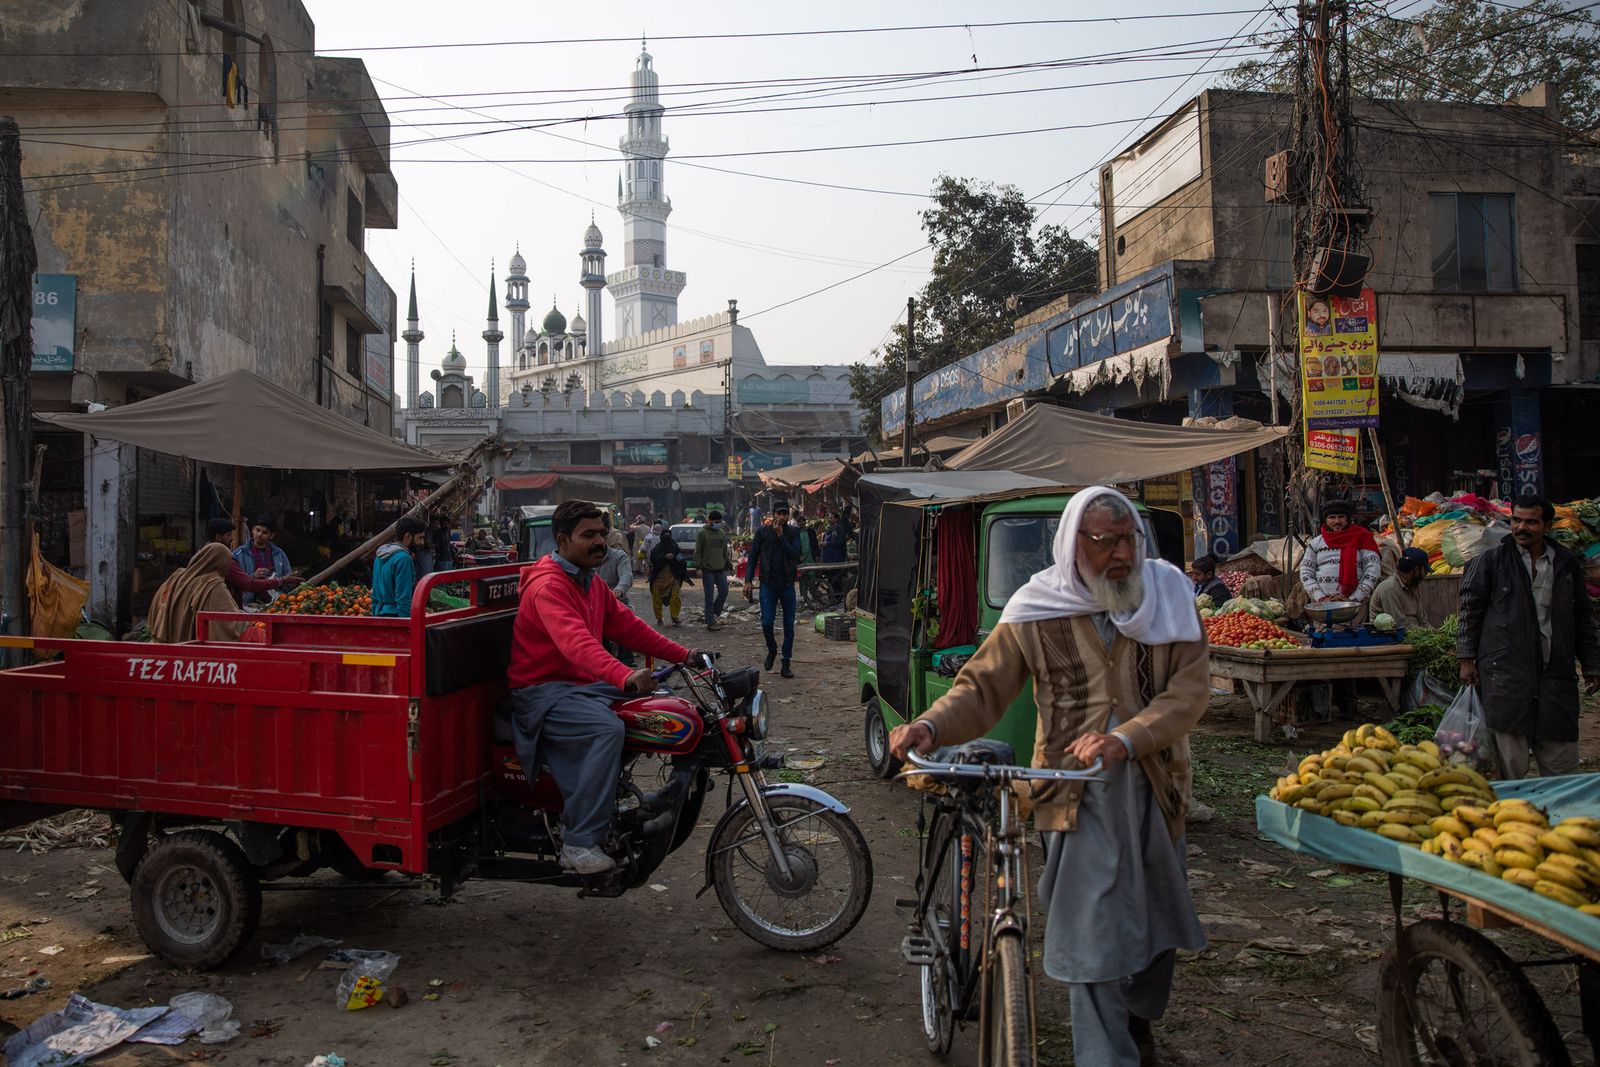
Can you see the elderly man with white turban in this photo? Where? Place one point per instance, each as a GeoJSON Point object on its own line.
{"type": "Point", "coordinates": [1114, 647]}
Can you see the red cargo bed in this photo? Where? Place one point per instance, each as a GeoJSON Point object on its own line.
{"type": "Point", "coordinates": [374, 728]}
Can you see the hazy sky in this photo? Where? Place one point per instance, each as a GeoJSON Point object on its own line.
{"type": "Point", "coordinates": [471, 188]}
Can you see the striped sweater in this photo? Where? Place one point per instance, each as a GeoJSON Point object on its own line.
{"type": "Point", "coordinates": [1158, 692]}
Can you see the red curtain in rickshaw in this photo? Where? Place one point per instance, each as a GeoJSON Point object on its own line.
{"type": "Point", "coordinates": [956, 577]}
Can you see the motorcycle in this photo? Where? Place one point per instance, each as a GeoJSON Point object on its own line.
{"type": "Point", "coordinates": [789, 866]}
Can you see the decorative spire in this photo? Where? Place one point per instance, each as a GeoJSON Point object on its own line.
{"type": "Point", "coordinates": [494, 315]}
{"type": "Point", "coordinates": [411, 315]}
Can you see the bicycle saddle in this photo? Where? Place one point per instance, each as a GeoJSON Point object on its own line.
{"type": "Point", "coordinates": [983, 750]}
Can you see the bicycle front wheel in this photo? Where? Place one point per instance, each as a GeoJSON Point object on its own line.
{"type": "Point", "coordinates": [1007, 1032]}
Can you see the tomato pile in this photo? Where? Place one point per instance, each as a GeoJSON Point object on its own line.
{"type": "Point", "coordinates": [1241, 629]}
{"type": "Point", "coordinates": [332, 599]}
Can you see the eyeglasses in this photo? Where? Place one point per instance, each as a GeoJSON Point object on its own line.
{"type": "Point", "coordinates": [1108, 541]}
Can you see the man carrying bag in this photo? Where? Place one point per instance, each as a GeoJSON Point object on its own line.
{"type": "Point", "coordinates": [1525, 618]}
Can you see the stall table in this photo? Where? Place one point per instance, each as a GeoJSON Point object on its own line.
{"type": "Point", "coordinates": [1268, 674]}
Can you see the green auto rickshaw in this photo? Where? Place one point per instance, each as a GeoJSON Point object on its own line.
{"type": "Point", "coordinates": [941, 553]}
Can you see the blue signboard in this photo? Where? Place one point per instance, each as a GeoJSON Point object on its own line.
{"type": "Point", "coordinates": [764, 461]}
{"type": "Point", "coordinates": [1124, 318]}
{"type": "Point", "coordinates": [55, 321]}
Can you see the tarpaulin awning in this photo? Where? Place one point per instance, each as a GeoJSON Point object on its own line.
{"type": "Point", "coordinates": [1071, 447]}
{"type": "Point", "coordinates": [592, 481]}
{"type": "Point", "coordinates": [936, 445]}
{"type": "Point", "coordinates": [798, 474]}
{"type": "Point", "coordinates": [243, 420]}
{"type": "Point", "coordinates": [526, 481]}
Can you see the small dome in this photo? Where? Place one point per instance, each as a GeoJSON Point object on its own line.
{"type": "Point", "coordinates": [578, 325]}
{"type": "Point", "coordinates": [453, 360]}
{"type": "Point", "coordinates": [555, 322]}
{"type": "Point", "coordinates": [518, 264]}
{"type": "Point", "coordinates": [592, 237]}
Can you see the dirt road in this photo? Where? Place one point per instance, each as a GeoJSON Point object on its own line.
{"type": "Point", "coordinates": [528, 975]}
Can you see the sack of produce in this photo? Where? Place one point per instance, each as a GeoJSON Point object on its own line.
{"type": "Point", "coordinates": [1463, 736]}
{"type": "Point", "coordinates": [1464, 542]}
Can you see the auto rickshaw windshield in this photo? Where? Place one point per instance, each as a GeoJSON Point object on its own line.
{"type": "Point", "coordinates": [1021, 546]}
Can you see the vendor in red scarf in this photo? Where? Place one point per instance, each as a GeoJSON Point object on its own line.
{"type": "Point", "coordinates": [1341, 563]}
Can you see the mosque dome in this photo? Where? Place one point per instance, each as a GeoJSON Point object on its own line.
{"type": "Point", "coordinates": [579, 326]}
{"type": "Point", "coordinates": [454, 362]}
{"type": "Point", "coordinates": [592, 237]}
{"type": "Point", "coordinates": [555, 323]}
{"type": "Point", "coordinates": [518, 265]}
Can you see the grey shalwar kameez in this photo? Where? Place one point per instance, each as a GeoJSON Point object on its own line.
{"type": "Point", "coordinates": [1114, 914]}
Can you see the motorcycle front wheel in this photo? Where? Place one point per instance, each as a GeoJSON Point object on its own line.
{"type": "Point", "coordinates": [827, 887]}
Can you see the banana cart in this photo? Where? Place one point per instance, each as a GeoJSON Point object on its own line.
{"type": "Point", "coordinates": [1446, 993]}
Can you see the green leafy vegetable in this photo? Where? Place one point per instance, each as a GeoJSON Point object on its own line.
{"type": "Point", "coordinates": [1434, 651]}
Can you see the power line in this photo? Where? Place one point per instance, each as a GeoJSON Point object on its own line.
{"type": "Point", "coordinates": [752, 35]}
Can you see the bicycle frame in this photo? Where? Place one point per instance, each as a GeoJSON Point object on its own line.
{"type": "Point", "coordinates": [980, 804]}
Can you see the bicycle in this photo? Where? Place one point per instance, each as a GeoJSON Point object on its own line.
{"type": "Point", "coordinates": [984, 977]}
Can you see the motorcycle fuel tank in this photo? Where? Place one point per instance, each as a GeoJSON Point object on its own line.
{"type": "Point", "coordinates": [659, 723]}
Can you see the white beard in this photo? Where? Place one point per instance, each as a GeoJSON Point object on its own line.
{"type": "Point", "coordinates": [1116, 596]}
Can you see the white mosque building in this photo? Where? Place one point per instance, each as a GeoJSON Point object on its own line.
{"type": "Point", "coordinates": [651, 360]}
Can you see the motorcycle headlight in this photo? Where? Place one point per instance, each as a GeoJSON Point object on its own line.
{"type": "Point", "coordinates": [758, 716]}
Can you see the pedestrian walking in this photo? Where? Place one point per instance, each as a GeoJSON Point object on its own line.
{"type": "Point", "coordinates": [714, 557]}
{"type": "Point", "coordinates": [1114, 649]}
{"type": "Point", "coordinates": [775, 561]}
{"type": "Point", "coordinates": [669, 573]}
{"type": "Point", "coordinates": [1528, 585]}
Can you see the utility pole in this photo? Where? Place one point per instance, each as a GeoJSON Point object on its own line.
{"type": "Point", "coordinates": [18, 262]}
{"type": "Point", "coordinates": [727, 391]}
{"type": "Point", "coordinates": [911, 372]}
{"type": "Point", "coordinates": [1331, 219]}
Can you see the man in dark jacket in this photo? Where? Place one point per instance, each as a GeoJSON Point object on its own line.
{"type": "Point", "coordinates": [775, 559]}
{"type": "Point", "coordinates": [1525, 618]}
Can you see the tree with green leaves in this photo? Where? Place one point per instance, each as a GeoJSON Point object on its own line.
{"type": "Point", "coordinates": [1468, 50]}
{"type": "Point", "coordinates": [990, 268]}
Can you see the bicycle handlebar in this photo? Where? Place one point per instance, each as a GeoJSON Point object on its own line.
{"type": "Point", "coordinates": [998, 771]}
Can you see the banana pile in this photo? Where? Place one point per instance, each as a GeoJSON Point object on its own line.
{"type": "Point", "coordinates": [1409, 794]}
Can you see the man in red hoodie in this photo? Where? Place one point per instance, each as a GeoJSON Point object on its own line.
{"type": "Point", "coordinates": [563, 681]}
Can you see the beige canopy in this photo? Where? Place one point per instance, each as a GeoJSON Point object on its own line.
{"type": "Point", "coordinates": [1077, 448]}
{"type": "Point", "coordinates": [244, 420]}
{"type": "Point", "coordinates": [799, 474]}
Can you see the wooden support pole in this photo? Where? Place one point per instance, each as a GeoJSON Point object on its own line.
{"type": "Point", "coordinates": [387, 533]}
{"type": "Point", "coordinates": [1383, 483]}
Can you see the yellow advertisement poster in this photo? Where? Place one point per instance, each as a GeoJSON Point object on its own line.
{"type": "Point", "coordinates": [1333, 450]}
{"type": "Point", "coordinates": [1338, 361]}
{"type": "Point", "coordinates": [735, 468]}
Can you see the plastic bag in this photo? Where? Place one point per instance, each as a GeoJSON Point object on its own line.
{"type": "Point", "coordinates": [362, 985]}
{"type": "Point", "coordinates": [1426, 689]}
{"type": "Point", "coordinates": [1463, 734]}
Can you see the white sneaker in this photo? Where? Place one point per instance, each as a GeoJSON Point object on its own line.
{"type": "Point", "coordinates": [581, 860]}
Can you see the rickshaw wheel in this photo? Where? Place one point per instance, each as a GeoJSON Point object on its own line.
{"type": "Point", "coordinates": [195, 899]}
{"type": "Point", "coordinates": [1472, 1001]}
{"type": "Point", "coordinates": [883, 764]}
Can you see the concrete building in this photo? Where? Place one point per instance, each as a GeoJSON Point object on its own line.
{"type": "Point", "coordinates": [201, 184]}
{"type": "Point", "coordinates": [1485, 247]}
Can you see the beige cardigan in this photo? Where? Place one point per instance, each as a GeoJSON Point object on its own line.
{"type": "Point", "coordinates": [1158, 691]}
